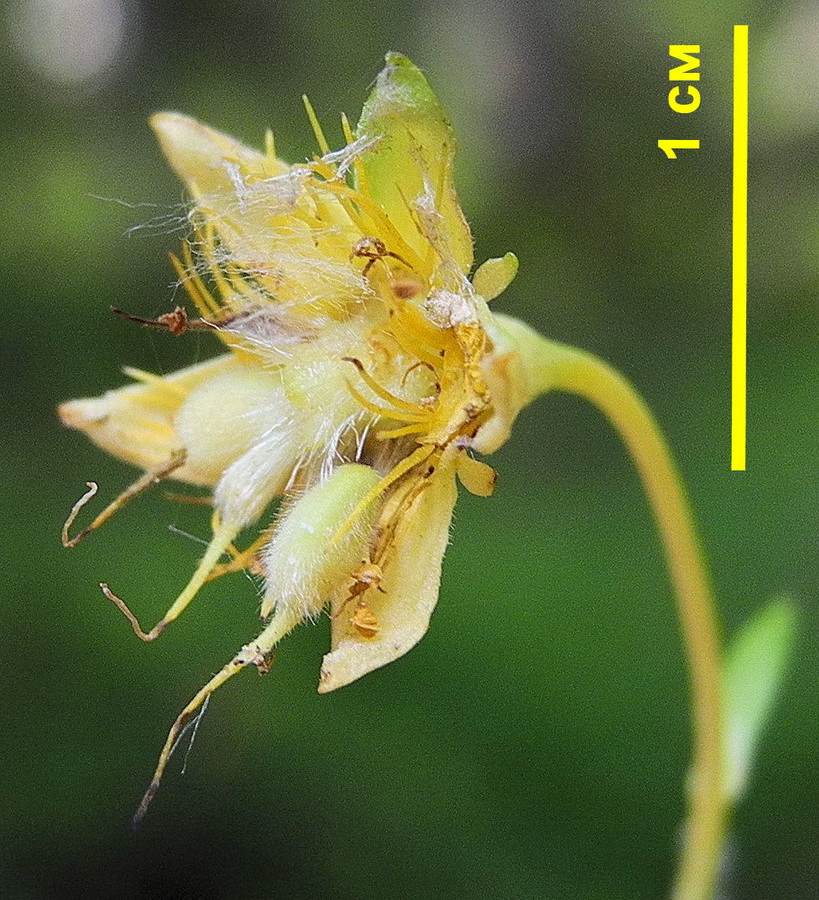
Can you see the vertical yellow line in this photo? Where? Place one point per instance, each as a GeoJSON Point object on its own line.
{"type": "Point", "coordinates": [739, 306]}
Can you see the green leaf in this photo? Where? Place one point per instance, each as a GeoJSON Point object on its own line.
{"type": "Point", "coordinates": [412, 154]}
{"type": "Point", "coordinates": [752, 672]}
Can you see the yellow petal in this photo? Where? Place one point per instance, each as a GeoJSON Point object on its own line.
{"type": "Point", "coordinates": [238, 189]}
{"type": "Point", "coordinates": [411, 578]}
{"type": "Point", "coordinates": [476, 476]}
{"type": "Point", "coordinates": [271, 219]}
{"type": "Point", "coordinates": [135, 423]}
{"type": "Point", "coordinates": [209, 161]}
{"type": "Point", "coordinates": [495, 275]}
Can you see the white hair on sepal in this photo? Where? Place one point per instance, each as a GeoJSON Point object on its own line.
{"type": "Point", "coordinates": [318, 459]}
{"type": "Point", "coordinates": [312, 552]}
{"type": "Point", "coordinates": [255, 479]}
{"type": "Point", "coordinates": [332, 276]}
{"type": "Point", "coordinates": [344, 158]}
{"type": "Point", "coordinates": [174, 220]}
{"type": "Point", "coordinates": [361, 436]}
{"type": "Point", "coordinates": [269, 332]}
{"type": "Point", "coordinates": [333, 429]}
{"type": "Point", "coordinates": [170, 218]}
{"type": "Point", "coordinates": [343, 445]}
{"type": "Point", "coordinates": [278, 194]}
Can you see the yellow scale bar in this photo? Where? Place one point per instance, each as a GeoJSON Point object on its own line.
{"type": "Point", "coordinates": [739, 304]}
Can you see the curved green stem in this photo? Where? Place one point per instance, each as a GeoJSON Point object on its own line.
{"type": "Point", "coordinates": [553, 366]}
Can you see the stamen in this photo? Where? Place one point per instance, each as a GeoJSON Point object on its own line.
{"type": "Point", "coordinates": [380, 391]}
{"type": "Point", "coordinates": [476, 476]}
{"type": "Point", "coordinates": [324, 169]}
{"type": "Point", "coordinates": [361, 182]}
{"type": "Point", "coordinates": [349, 202]}
{"type": "Point", "coordinates": [418, 456]}
{"type": "Point", "coordinates": [208, 251]}
{"type": "Point", "coordinates": [422, 364]}
{"type": "Point", "coordinates": [396, 505]}
{"type": "Point", "coordinates": [369, 575]}
{"type": "Point", "coordinates": [385, 411]}
{"type": "Point", "coordinates": [194, 276]}
{"type": "Point", "coordinates": [364, 620]}
{"type": "Point", "coordinates": [256, 653]}
{"type": "Point", "coordinates": [177, 322]}
{"type": "Point", "coordinates": [223, 535]}
{"type": "Point", "coordinates": [346, 129]}
{"type": "Point", "coordinates": [148, 480]}
{"type": "Point", "coordinates": [379, 223]}
{"type": "Point", "coordinates": [392, 433]}
{"type": "Point", "coordinates": [192, 283]}
{"type": "Point", "coordinates": [242, 559]}
{"type": "Point", "coordinates": [406, 340]}
{"type": "Point", "coordinates": [188, 498]}
{"type": "Point", "coordinates": [236, 282]}
{"type": "Point", "coordinates": [270, 145]}
{"type": "Point", "coordinates": [315, 125]}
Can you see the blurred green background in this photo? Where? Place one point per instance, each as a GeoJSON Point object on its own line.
{"type": "Point", "coordinates": [535, 744]}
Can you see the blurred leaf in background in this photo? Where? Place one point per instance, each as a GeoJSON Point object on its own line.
{"type": "Point", "coordinates": [535, 744]}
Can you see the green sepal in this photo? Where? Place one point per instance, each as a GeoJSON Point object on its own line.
{"type": "Point", "coordinates": [412, 151]}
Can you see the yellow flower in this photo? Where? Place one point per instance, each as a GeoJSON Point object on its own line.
{"type": "Point", "coordinates": [363, 368]}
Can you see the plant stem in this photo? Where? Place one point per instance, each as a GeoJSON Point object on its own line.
{"type": "Point", "coordinates": [554, 366]}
